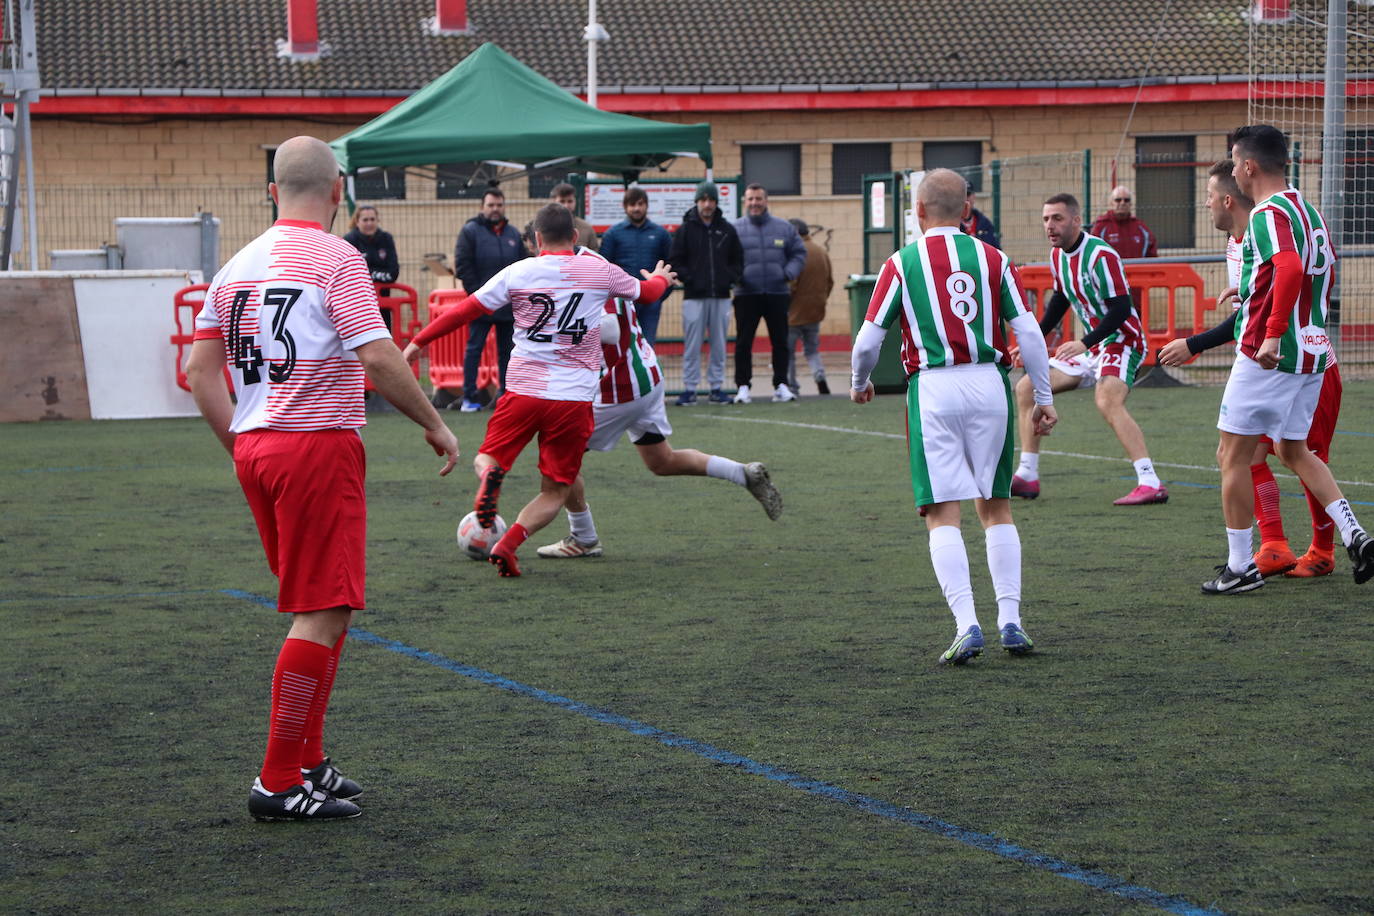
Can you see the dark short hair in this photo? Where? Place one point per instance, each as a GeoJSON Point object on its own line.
{"type": "Point", "coordinates": [634, 195]}
{"type": "Point", "coordinates": [1067, 200]}
{"type": "Point", "coordinates": [493, 192]}
{"type": "Point", "coordinates": [756, 187]}
{"type": "Point", "coordinates": [1224, 173]}
{"type": "Point", "coordinates": [563, 190]}
{"type": "Point", "coordinates": [555, 223]}
{"type": "Point", "coordinates": [1265, 144]}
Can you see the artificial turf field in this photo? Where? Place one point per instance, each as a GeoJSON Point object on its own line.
{"type": "Point", "coordinates": [721, 715]}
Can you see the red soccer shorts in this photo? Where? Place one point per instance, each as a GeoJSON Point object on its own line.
{"type": "Point", "coordinates": [1324, 419]}
{"type": "Point", "coordinates": [563, 428]}
{"type": "Point", "coordinates": [307, 496]}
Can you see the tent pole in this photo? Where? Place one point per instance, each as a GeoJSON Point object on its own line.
{"type": "Point", "coordinates": [595, 33]}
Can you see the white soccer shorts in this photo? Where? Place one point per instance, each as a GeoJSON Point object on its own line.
{"type": "Point", "coordinates": [642, 415]}
{"type": "Point", "coordinates": [959, 422]}
{"type": "Point", "coordinates": [1268, 402]}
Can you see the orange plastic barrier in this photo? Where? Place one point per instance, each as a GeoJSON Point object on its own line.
{"type": "Point", "coordinates": [1182, 290]}
{"type": "Point", "coordinates": [191, 299]}
{"type": "Point", "coordinates": [446, 353]}
{"type": "Point", "coordinates": [396, 299]}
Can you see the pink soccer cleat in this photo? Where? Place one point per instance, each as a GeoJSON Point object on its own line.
{"type": "Point", "coordinates": [1143, 496]}
{"type": "Point", "coordinates": [1026, 489]}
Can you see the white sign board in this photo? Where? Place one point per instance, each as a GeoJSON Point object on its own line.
{"type": "Point", "coordinates": [667, 203]}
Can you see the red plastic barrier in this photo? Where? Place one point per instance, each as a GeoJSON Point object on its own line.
{"type": "Point", "coordinates": [396, 299]}
{"type": "Point", "coordinates": [446, 353]}
{"type": "Point", "coordinates": [192, 300]}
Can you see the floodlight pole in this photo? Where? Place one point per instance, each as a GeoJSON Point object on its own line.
{"type": "Point", "coordinates": [1333, 142]}
{"type": "Point", "coordinates": [593, 35]}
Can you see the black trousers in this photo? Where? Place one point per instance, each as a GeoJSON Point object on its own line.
{"type": "Point", "coordinates": [772, 308]}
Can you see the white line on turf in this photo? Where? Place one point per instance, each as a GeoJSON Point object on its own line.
{"type": "Point", "coordinates": [1044, 451]}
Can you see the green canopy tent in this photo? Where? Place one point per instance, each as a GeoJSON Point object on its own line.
{"type": "Point", "coordinates": [492, 108]}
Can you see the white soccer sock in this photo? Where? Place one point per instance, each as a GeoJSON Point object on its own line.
{"type": "Point", "coordinates": [1145, 474]}
{"type": "Point", "coordinates": [1029, 468]}
{"type": "Point", "coordinates": [725, 469]}
{"type": "Point", "coordinates": [1240, 548]}
{"type": "Point", "coordinates": [950, 559]}
{"type": "Point", "coordinates": [1344, 518]}
{"type": "Point", "coordinates": [1004, 563]}
{"type": "Point", "coordinates": [583, 528]}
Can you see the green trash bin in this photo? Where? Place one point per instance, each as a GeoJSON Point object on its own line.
{"type": "Point", "coordinates": [888, 376]}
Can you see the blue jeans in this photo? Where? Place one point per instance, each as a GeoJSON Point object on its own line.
{"type": "Point", "coordinates": [477, 339]}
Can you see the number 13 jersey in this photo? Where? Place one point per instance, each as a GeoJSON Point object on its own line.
{"type": "Point", "coordinates": [292, 306]}
{"type": "Point", "coordinates": [953, 294]}
{"type": "Point", "coordinates": [558, 300]}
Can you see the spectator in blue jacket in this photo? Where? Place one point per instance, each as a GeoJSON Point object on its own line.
{"type": "Point", "coordinates": [978, 225]}
{"type": "Point", "coordinates": [486, 244]}
{"type": "Point", "coordinates": [773, 257]}
{"type": "Point", "coordinates": [638, 243]}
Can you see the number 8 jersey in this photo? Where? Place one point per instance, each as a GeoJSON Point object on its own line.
{"type": "Point", "coordinates": [558, 300]}
{"type": "Point", "coordinates": [953, 294]}
{"type": "Point", "coordinates": [292, 306]}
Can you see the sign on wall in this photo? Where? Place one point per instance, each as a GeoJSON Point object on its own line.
{"type": "Point", "coordinates": [668, 201]}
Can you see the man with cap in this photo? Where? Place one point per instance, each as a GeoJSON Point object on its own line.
{"type": "Point", "coordinates": [708, 259]}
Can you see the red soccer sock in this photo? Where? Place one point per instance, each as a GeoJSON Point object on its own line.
{"type": "Point", "coordinates": [510, 541]}
{"type": "Point", "coordinates": [1323, 529]}
{"type": "Point", "coordinates": [312, 751]}
{"type": "Point", "coordinates": [301, 667]}
{"type": "Point", "coordinates": [1267, 511]}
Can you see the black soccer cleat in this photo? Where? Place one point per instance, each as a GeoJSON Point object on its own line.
{"type": "Point", "coordinates": [488, 493]}
{"type": "Point", "coordinates": [298, 803]}
{"type": "Point", "coordinates": [1361, 552]}
{"type": "Point", "coordinates": [326, 776]}
{"type": "Point", "coordinates": [1230, 583]}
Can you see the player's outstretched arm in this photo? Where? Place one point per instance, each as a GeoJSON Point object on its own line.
{"type": "Point", "coordinates": [1181, 349]}
{"type": "Point", "coordinates": [205, 373]}
{"type": "Point", "coordinates": [391, 376]}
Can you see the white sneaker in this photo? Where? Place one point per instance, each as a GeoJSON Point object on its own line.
{"type": "Point", "coordinates": [568, 548]}
{"type": "Point", "coordinates": [784, 393]}
{"type": "Point", "coordinates": [742, 396]}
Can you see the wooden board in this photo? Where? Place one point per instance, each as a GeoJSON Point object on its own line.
{"type": "Point", "coordinates": [42, 373]}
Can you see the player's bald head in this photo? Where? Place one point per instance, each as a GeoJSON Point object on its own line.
{"type": "Point", "coordinates": [943, 192]}
{"type": "Point", "coordinates": [305, 167]}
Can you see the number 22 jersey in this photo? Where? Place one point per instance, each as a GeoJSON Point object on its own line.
{"type": "Point", "coordinates": [291, 307]}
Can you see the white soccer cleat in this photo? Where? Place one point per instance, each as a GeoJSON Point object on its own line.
{"type": "Point", "coordinates": [742, 396]}
{"type": "Point", "coordinates": [569, 548]}
{"type": "Point", "coordinates": [783, 393]}
{"type": "Point", "coordinates": [760, 485]}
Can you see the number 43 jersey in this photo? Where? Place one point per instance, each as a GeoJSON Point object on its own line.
{"type": "Point", "coordinates": [953, 294]}
{"type": "Point", "coordinates": [558, 300]}
{"type": "Point", "coordinates": [291, 307]}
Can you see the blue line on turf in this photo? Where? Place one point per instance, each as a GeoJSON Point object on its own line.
{"type": "Point", "coordinates": [985, 841]}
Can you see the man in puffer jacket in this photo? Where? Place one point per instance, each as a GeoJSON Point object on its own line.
{"type": "Point", "coordinates": [773, 257]}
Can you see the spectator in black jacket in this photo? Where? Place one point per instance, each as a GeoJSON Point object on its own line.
{"type": "Point", "coordinates": [377, 247]}
{"type": "Point", "coordinates": [486, 244]}
{"type": "Point", "coordinates": [708, 260]}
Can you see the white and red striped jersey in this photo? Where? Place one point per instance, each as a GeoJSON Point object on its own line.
{"type": "Point", "coordinates": [1089, 275]}
{"type": "Point", "coordinates": [1233, 254]}
{"type": "Point", "coordinates": [1286, 222]}
{"type": "Point", "coordinates": [636, 370]}
{"type": "Point", "coordinates": [558, 300]}
{"type": "Point", "coordinates": [953, 294]}
{"type": "Point", "coordinates": [292, 306]}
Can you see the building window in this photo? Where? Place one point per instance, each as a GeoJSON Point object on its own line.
{"type": "Point", "coordinates": [380, 184]}
{"type": "Point", "coordinates": [963, 156]}
{"type": "Point", "coordinates": [775, 166]}
{"type": "Point", "coordinates": [1166, 189]}
{"type": "Point", "coordinates": [542, 184]}
{"type": "Point", "coordinates": [451, 181]}
{"type": "Point", "coordinates": [1357, 224]}
{"type": "Point", "coordinates": [850, 162]}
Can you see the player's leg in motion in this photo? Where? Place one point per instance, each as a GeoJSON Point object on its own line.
{"type": "Point", "coordinates": [1111, 403]}
{"type": "Point", "coordinates": [950, 559]}
{"type": "Point", "coordinates": [666, 461]}
{"type": "Point", "coordinates": [1025, 483]}
{"type": "Point", "coordinates": [1003, 543]}
{"type": "Point", "coordinates": [1239, 573]}
{"type": "Point", "coordinates": [490, 474]}
{"type": "Point", "coordinates": [1274, 556]}
{"type": "Point", "coordinates": [537, 513]}
{"type": "Point", "coordinates": [1318, 479]}
{"type": "Point", "coordinates": [1319, 559]}
{"type": "Point", "coordinates": [582, 539]}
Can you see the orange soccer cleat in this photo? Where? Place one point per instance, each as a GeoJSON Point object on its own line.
{"type": "Point", "coordinates": [1275, 557]}
{"type": "Point", "coordinates": [1312, 564]}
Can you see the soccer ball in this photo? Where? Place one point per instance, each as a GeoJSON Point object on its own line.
{"type": "Point", "coordinates": [476, 541]}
